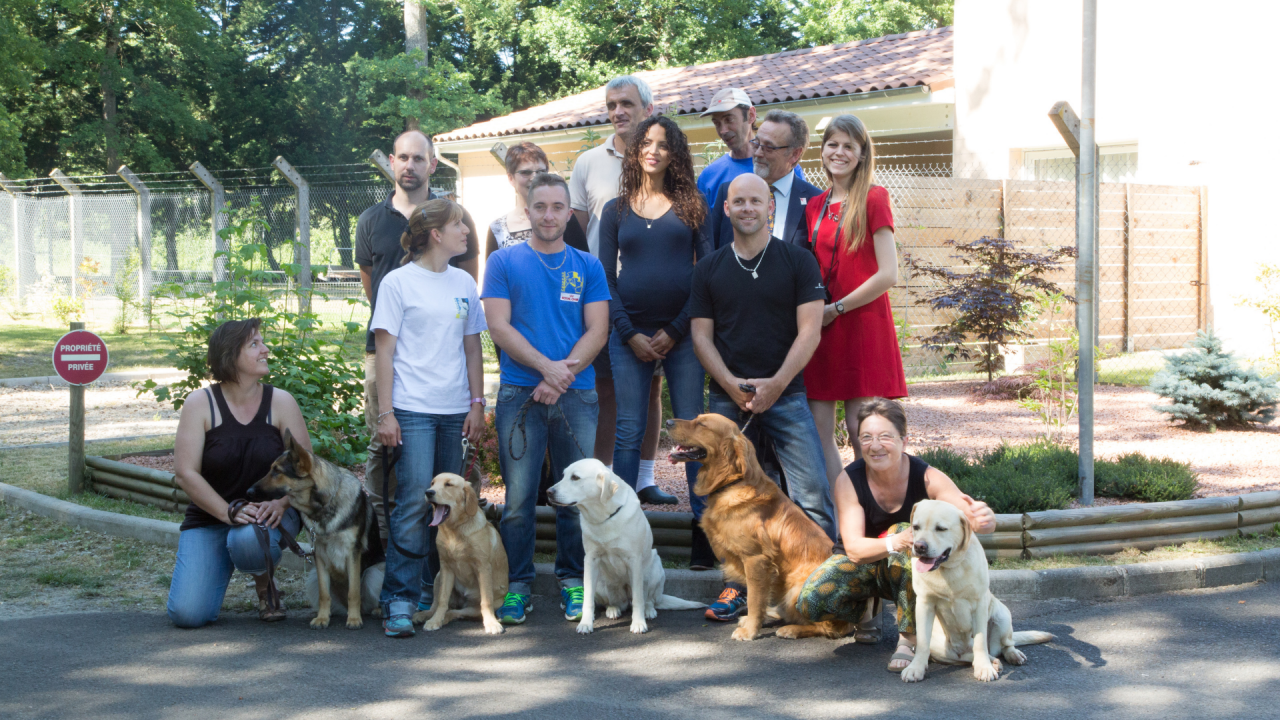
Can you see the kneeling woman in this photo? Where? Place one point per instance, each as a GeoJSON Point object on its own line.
{"type": "Point", "coordinates": [228, 435]}
{"type": "Point", "coordinates": [874, 497]}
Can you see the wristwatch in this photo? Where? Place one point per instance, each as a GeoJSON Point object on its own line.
{"type": "Point", "coordinates": [839, 307]}
{"type": "Point", "coordinates": [479, 400]}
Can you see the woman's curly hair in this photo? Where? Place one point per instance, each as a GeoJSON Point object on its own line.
{"type": "Point", "coordinates": [679, 184]}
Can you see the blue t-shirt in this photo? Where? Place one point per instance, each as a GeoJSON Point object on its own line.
{"type": "Point", "coordinates": [547, 306]}
{"type": "Point", "coordinates": [722, 170]}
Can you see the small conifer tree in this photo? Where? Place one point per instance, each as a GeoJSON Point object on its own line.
{"type": "Point", "coordinates": [1207, 387]}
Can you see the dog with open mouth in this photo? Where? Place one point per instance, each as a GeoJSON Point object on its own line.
{"type": "Point", "coordinates": [339, 517]}
{"type": "Point", "coordinates": [473, 563]}
{"type": "Point", "coordinates": [762, 538]}
{"type": "Point", "coordinates": [621, 567]}
{"type": "Point", "coordinates": [957, 617]}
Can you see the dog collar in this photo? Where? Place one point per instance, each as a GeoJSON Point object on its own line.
{"type": "Point", "coordinates": [615, 512]}
{"type": "Point", "coordinates": [726, 486]}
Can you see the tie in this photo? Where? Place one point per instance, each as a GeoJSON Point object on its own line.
{"type": "Point", "coordinates": [773, 209]}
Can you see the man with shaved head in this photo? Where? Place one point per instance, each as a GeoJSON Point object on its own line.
{"type": "Point", "coordinates": [756, 309]}
{"type": "Point", "coordinates": [378, 252]}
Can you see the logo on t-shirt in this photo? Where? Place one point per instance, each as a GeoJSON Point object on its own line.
{"type": "Point", "coordinates": [463, 305]}
{"type": "Point", "coordinates": [570, 286]}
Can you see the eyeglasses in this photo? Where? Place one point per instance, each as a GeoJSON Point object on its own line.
{"type": "Point", "coordinates": [526, 174]}
{"type": "Point", "coordinates": [755, 143]}
{"type": "Point", "coordinates": [884, 438]}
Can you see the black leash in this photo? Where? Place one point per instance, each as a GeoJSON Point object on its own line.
{"type": "Point", "coordinates": [521, 415]}
{"type": "Point", "coordinates": [263, 534]}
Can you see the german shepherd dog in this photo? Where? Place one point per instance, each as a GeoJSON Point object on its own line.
{"type": "Point", "coordinates": [338, 516]}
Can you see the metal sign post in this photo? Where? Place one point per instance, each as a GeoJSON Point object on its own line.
{"type": "Point", "coordinates": [79, 357]}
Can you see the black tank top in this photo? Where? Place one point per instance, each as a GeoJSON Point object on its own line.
{"type": "Point", "coordinates": [875, 520]}
{"type": "Point", "coordinates": [235, 455]}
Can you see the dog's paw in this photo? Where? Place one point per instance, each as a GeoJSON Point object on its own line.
{"type": "Point", "coordinates": [1014, 656]}
{"type": "Point", "coordinates": [586, 626]}
{"type": "Point", "coordinates": [650, 612]}
{"type": "Point", "coordinates": [421, 616]}
{"type": "Point", "coordinates": [742, 621]}
{"type": "Point", "coordinates": [639, 626]}
{"type": "Point", "coordinates": [745, 634]}
{"type": "Point", "coordinates": [493, 627]}
{"type": "Point", "coordinates": [320, 622]}
{"type": "Point", "coordinates": [431, 625]}
{"type": "Point", "coordinates": [790, 632]}
{"type": "Point", "coordinates": [986, 673]}
{"type": "Point", "coordinates": [613, 612]}
{"type": "Point", "coordinates": [354, 622]}
{"type": "Point", "coordinates": [914, 672]}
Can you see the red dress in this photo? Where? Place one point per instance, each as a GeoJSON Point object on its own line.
{"type": "Point", "coordinates": [858, 355]}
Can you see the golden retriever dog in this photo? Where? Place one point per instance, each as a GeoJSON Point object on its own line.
{"type": "Point", "coordinates": [473, 564]}
{"type": "Point", "coordinates": [339, 518]}
{"type": "Point", "coordinates": [957, 617]}
{"type": "Point", "coordinates": [762, 538]}
{"type": "Point", "coordinates": [621, 568]}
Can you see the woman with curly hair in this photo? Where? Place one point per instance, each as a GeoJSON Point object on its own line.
{"type": "Point", "coordinates": [653, 230]}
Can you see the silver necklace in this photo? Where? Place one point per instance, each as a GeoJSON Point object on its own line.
{"type": "Point", "coordinates": [564, 255]}
{"type": "Point", "coordinates": [754, 274]}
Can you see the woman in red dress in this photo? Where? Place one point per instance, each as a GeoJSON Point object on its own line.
{"type": "Point", "coordinates": [851, 232]}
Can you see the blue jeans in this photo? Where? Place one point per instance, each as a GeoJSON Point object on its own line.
{"type": "Point", "coordinates": [795, 439]}
{"type": "Point", "coordinates": [430, 445]}
{"type": "Point", "coordinates": [631, 379]}
{"type": "Point", "coordinates": [525, 434]}
{"type": "Point", "coordinates": [206, 557]}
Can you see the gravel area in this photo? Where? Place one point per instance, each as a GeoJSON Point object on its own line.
{"type": "Point", "coordinates": [31, 415]}
{"type": "Point", "coordinates": [946, 414]}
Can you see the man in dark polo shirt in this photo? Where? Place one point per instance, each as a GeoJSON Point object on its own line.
{"type": "Point", "coordinates": [378, 252]}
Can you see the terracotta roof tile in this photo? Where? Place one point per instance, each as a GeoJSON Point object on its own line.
{"type": "Point", "coordinates": [892, 61]}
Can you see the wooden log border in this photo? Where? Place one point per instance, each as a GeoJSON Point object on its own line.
{"type": "Point", "coordinates": [1080, 531]}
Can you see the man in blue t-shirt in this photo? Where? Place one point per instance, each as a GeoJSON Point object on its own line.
{"type": "Point", "coordinates": [547, 305]}
{"type": "Point", "coordinates": [735, 119]}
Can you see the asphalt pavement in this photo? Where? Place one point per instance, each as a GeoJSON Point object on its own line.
{"type": "Point", "coordinates": [1201, 653]}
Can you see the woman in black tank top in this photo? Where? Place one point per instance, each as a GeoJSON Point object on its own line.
{"type": "Point", "coordinates": [874, 498]}
{"type": "Point", "coordinates": [228, 436]}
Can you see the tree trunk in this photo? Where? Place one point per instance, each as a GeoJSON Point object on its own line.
{"type": "Point", "coordinates": [415, 38]}
{"type": "Point", "coordinates": [105, 78]}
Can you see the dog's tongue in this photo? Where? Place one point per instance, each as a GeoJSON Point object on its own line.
{"type": "Point", "coordinates": [441, 511]}
{"type": "Point", "coordinates": [924, 566]}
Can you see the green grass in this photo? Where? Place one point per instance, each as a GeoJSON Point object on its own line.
{"type": "Point", "coordinates": [1199, 548]}
{"type": "Point", "coordinates": [26, 350]}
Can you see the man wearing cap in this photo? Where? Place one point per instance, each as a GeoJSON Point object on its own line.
{"type": "Point", "coordinates": [776, 150]}
{"type": "Point", "coordinates": [735, 120]}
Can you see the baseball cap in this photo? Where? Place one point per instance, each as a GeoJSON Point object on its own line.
{"type": "Point", "coordinates": [727, 99]}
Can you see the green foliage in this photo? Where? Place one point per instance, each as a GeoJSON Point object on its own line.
{"type": "Point", "coordinates": [1055, 392]}
{"type": "Point", "coordinates": [837, 21]}
{"type": "Point", "coordinates": [66, 309]}
{"type": "Point", "coordinates": [125, 290]}
{"type": "Point", "coordinates": [992, 301]}
{"type": "Point", "coordinates": [329, 387]}
{"type": "Point", "coordinates": [488, 452]}
{"type": "Point", "coordinates": [405, 86]}
{"type": "Point", "coordinates": [1207, 387]}
{"type": "Point", "coordinates": [1138, 477]}
{"type": "Point", "coordinates": [1267, 301]}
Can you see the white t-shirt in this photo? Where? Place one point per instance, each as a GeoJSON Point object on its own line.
{"type": "Point", "coordinates": [429, 313]}
{"type": "Point", "coordinates": [594, 182]}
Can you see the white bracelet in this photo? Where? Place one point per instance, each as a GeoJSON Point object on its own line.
{"type": "Point", "coordinates": [888, 544]}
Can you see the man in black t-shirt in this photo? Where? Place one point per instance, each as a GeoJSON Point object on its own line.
{"type": "Point", "coordinates": [378, 252]}
{"type": "Point", "coordinates": [756, 312]}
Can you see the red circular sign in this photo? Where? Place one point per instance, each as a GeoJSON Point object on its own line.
{"type": "Point", "coordinates": [80, 357]}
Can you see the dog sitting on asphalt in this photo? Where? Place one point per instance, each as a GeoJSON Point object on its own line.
{"type": "Point", "coordinates": [957, 617]}
{"type": "Point", "coordinates": [621, 568]}
{"type": "Point", "coordinates": [473, 563]}
{"type": "Point", "coordinates": [340, 520]}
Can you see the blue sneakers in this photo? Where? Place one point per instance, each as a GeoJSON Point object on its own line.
{"type": "Point", "coordinates": [571, 602]}
{"type": "Point", "coordinates": [514, 609]}
{"type": "Point", "coordinates": [728, 606]}
{"type": "Point", "coordinates": [398, 626]}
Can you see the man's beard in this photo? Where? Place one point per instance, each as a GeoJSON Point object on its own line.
{"type": "Point", "coordinates": [537, 232]}
{"type": "Point", "coordinates": [409, 183]}
{"type": "Point", "coordinates": [760, 168]}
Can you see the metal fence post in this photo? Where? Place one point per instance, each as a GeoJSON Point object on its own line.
{"type": "Point", "coordinates": [1086, 242]}
{"type": "Point", "coordinates": [217, 211]}
{"type": "Point", "coordinates": [76, 221]}
{"type": "Point", "coordinates": [302, 251]}
{"type": "Point", "coordinates": [144, 231]}
{"type": "Point", "coordinates": [380, 161]}
{"type": "Point", "coordinates": [15, 191]}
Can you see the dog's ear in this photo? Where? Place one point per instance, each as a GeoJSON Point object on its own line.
{"type": "Point", "coordinates": [608, 485]}
{"type": "Point", "coordinates": [470, 503]}
{"type": "Point", "coordinates": [742, 452]}
{"type": "Point", "coordinates": [967, 530]}
{"type": "Point", "coordinates": [913, 513]}
{"type": "Point", "coordinates": [300, 458]}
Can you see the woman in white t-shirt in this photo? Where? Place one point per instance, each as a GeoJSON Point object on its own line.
{"type": "Point", "coordinates": [427, 329]}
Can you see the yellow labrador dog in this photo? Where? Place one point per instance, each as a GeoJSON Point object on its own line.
{"type": "Point", "coordinates": [621, 566]}
{"type": "Point", "coordinates": [473, 563]}
{"type": "Point", "coordinates": [957, 617]}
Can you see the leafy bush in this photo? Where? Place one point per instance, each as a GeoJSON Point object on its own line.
{"type": "Point", "coordinates": [1009, 387]}
{"type": "Point", "coordinates": [487, 452]}
{"type": "Point", "coordinates": [1138, 477]}
{"type": "Point", "coordinates": [1209, 388]}
{"type": "Point", "coordinates": [328, 386]}
{"type": "Point", "coordinates": [993, 302]}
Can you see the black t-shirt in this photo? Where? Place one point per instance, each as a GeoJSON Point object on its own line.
{"type": "Point", "coordinates": [378, 246]}
{"type": "Point", "coordinates": [875, 520]}
{"type": "Point", "coordinates": [755, 318]}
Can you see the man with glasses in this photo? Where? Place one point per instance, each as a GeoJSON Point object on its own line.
{"type": "Point", "coordinates": [756, 311]}
{"type": "Point", "coordinates": [776, 150]}
{"type": "Point", "coordinates": [734, 118]}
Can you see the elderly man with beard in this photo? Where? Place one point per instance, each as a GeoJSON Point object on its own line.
{"type": "Point", "coordinates": [734, 118]}
{"type": "Point", "coordinates": [378, 252]}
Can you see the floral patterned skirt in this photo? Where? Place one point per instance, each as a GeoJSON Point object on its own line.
{"type": "Point", "coordinates": [838, 589]}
